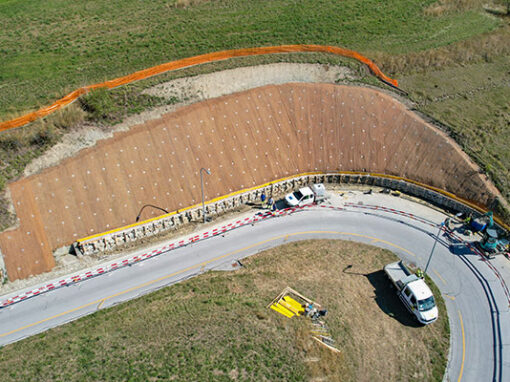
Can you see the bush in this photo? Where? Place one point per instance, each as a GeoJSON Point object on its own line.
{"type": "Point", "coordinates": [10, 142]}
{"type": "Point", "coordinates": [112, 106]}
{"type": "Point", "coordinates": [44, 136]}
{"type": "Point", "coordinates": [67, 117]}
{"type": "Point", "coordinates": [99, 104]}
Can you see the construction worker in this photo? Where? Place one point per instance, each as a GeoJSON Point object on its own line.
{"type": "Point", "coordinates": [419, 273]}
{"type": "Point", "coordinates": [263, 198]}
{"type": "Point", "coordinates": [467, 221]}
{"type": "Point", "coordinates": [447, 223]}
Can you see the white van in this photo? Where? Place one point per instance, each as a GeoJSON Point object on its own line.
{"type": "Point", "coordinates": [301, 197]}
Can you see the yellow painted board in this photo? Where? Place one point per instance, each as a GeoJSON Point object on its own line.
{"type": "Point", "coordinates": [280, 309]}
{"type": "Point", "coordinates": [289, 307]}
{"type": "Point", "coordinates": [294, 303]}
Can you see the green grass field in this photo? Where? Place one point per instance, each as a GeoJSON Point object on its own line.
{"type": "Point", "coordinates": [473, 101]}
{"type": "Point", "coordinates": [216, 327]}
{"type": "Point", "coordinates": [50, 48]}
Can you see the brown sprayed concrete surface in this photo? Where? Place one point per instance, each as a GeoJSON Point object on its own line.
{"type": "Point", "coordinates": [245, 139]}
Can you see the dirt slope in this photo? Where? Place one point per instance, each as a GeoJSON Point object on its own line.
{"type": "Point", "coordinates": [245, 139]}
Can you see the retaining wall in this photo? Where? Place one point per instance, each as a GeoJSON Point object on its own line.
{"type": "Point", "coordinates": [118, 238]}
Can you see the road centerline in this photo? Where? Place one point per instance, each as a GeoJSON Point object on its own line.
{"type": "Point", "coordinates": [102, 300]}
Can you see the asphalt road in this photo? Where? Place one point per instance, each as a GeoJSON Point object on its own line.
{"type": "Point", "coordinates": [475, 300]}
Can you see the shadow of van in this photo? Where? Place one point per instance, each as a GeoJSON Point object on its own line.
{"type": "Point", "coordinates": [388, 301]}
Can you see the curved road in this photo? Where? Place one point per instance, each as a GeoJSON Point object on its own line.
{"type": "Point", "coordinates": [475, 300]}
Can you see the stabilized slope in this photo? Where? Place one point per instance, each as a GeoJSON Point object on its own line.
{"type": "Point", "coordinates": [245, 139]}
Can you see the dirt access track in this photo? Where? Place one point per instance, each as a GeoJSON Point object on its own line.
{"type": "Point", "coordinates": [245, 139]}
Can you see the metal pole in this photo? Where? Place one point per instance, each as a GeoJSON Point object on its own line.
{"type": "Point", "coordinates": [202, 187]}
{"type": "Point", "coordinates": [433, 247]}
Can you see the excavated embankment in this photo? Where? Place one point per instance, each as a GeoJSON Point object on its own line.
{"type": "Point", "coordinates": [245, 139]}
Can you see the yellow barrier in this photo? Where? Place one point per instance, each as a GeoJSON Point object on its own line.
{"type": "Point", "coordinates": [288, 306]}
{"type": "Point", "coordinates": [295, 305]}
{"type": "Point", "coordinates": [438, 190]}
{"type": "Point", "coordinates": [280, 309]}
{"type": "Point", "coordinates": [191, 61]}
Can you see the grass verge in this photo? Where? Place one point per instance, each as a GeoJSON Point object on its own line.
{"type": "Point", "coordinates": [49, 50]}
{"type": "Point", "coordinates": [217, 327]}
{"type": "Point", "coordinates": [472, 101]}
{"type": "Point", "coordinates": [105, 106]}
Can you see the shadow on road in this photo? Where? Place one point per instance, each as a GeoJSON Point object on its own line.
{"type": "Point", "coordinates": [280, 205]}
{"type": "Point", "coordinates": [456, 246]}
{"type": "Point", "coordinates": [460, 249]}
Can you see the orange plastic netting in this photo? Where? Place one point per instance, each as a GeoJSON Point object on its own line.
{"type": "Point", "coordinates": [190, 61]}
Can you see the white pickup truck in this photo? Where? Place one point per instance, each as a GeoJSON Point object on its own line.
{"type": "Point", "coordinates": [413, 291]}
{"type": "Point", "coordinates": [306, 195]}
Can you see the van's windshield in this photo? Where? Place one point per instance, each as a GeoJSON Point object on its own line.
{"type": "Point", "coordinates": [298, 195]}
{"type": "Point", "coordinates": [427, 304]}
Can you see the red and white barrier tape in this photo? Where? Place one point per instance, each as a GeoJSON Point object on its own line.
{"type": "Point", "coordinates": [132, 260]}
{"type": "Point", "coordinates": [392, 211]}
{"type": "Point", "coordinates": [468, 244]}
{"type": "Point", "coordinates": [214, 232]}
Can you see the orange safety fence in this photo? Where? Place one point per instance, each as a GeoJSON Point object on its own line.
{"type": "Point", "coordinates": [191, 61]}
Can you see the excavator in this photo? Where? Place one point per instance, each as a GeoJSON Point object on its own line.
{"type": "Point", "coordinates": [491, 243]}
